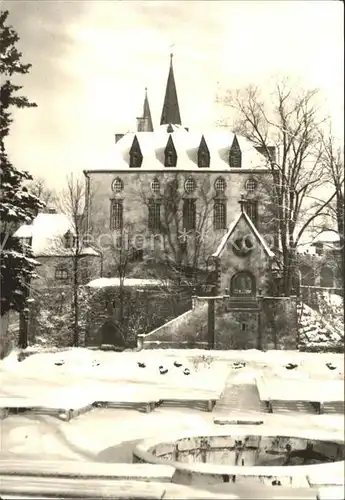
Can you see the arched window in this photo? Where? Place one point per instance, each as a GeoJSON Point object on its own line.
{"type": "Point", "coordinates": [251, 185]}
{"type": "Point", "coordinates": [307, 275]}
{"type": "Point", "coordinates": [326, 277]}
{"type": "Point", "coordinates": [242, 284]}
{"type": "Point", "coordinates": [155, 185]}
{"type": "Point", "coordinates": [220, 185]}
{"type": "Point", "coordinates": [117, 185]}
{"type": "Point", "coordinates": [189, 185]}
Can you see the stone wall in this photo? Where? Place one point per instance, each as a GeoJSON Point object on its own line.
{"type": "Point", "coordinates": [235, 329]}
{"type": "Point", "coordinates": [279, 329]}
{"type": "Point", "coordinates": [9, 330]}
{"type": "Point", "coordinates": [187, 330]}
{"type": "Point", "coordinates": [274, 326]}
{"type": "Point", "coordinates": [142, 311]}
{"type": "Point", "coordinates": [89, 267]}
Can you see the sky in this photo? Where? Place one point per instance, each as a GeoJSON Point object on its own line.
{"type": "Point", "coordinates": [91, 61]}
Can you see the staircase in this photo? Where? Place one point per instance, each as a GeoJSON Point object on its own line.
{"type": "Point", "coordinates": [238, 397]}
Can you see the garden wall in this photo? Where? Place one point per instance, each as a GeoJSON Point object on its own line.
{"type": "Point", "coordinates": [187, 330]}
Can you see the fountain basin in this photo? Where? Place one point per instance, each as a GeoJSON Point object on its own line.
{"type": "Point", "coordinates": [267, 456]}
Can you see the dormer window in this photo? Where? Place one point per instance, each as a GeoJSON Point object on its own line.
{"type": "Point", "coordinates": [235, 154]}
{"type": "Point", "coordinates": [135, 155]}
{"type": "Point", "coordinates": [203, 154]}
{"type": "Point", "coordinates": [170, 155]}
{"type": "Point", "coordinates": [69, 240]}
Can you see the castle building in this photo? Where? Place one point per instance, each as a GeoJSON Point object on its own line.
{"type": "Point", "coordinates": [173, 194]}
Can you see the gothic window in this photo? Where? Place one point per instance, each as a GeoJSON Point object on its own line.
{"type": "Point", "coordinates": [203, 154]}
{"type": "Point", "coordinates": [242, 284]}
{"type": "Point", "coordinates": [189, 185]}
{"type": "Point", "coordinates": [135, 155]}
{"type": "Point", "coordinates": [251, 185]}
{"type": "Point", "coordinates": [61, 273]}
{"type": "Point", "coordinates": [154, 222]}
{"type": "Point", "coordinates": [219, 215]}
{"type": "Point", "coordinates": [170, 155]}
{"type": "Point", "coordinates": [235, 155]}
{"type": "Point", "coordinates": [251, 208]}
{"type": "Point", "coordinates": [116, 214]}
{"type": "Point", "coordinates": [117, 185]}
{"type": "Point", "coordinates": [220, 185]}
{"type": "Point", "coordinates": [189, 214]}
{"type": "Point", "coordinates": [155, 186]}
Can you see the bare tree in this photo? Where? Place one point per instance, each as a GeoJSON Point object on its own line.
{"type": "Point", "coordinates": [333, 164]}
{"type": "Point", "coordinates": [289, 122]}
{"type": "Point", "coordinates": [39, 188]}
{"type": "Point", "coordinates": [72, 203]}
{"type": "Point", "coordinates": [182, 230]}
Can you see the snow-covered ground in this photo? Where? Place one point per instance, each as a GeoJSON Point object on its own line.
{"type": "Point", "coordinates": [107, 434]}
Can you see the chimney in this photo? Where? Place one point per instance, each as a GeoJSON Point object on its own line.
{"type": "Point", "coordinates": [118, 137]}
{"type": "Point", "coordinates": [142, 124]}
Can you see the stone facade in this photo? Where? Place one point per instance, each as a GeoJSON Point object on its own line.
{"type": "Point", "coordinates": [137, 192]}
{"type": "Point", "coordinates": [89, 267]}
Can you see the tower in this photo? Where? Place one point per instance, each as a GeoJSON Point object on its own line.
{"type": "Point", "coordinates": [171, 109]}
{"type": "Point", "coordinates": [144, 123]}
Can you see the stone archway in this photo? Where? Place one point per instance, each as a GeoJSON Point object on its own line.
{"type": "Point", "coordinates": [109, 334]}
{"type": "Point", "coordinates": [326, 277]}
{"type": "Point", "coordinates": [243, 284]}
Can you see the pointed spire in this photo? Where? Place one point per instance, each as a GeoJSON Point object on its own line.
{"type": "Point", "coordinates": [147, 114]}
{"type": "Point", "coordinates": [144, 123]}
{"type": "Point", "coordinates": [171, 110]}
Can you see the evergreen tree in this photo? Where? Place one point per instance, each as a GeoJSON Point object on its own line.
{"type": "Point", "coordinates": [17, 205]}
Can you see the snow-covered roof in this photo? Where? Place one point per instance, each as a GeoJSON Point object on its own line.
{"type": "Point", "coordinates": [186, 143]}
{"type": "Point", "coordinates": [47, 232]}
{"type": "Point", "coordinates": [130, 282]}
{"type": "Point", "coordinates": [260, 239]}
{"type": "Point", "coordinates": [327, 237]}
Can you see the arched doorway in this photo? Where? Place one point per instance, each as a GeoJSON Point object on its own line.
{"type": "Point", "coordinates": [308, 276]}
{"type": "Point", "coordinates": [242, 284]}
{"type": "Point", "coordinates": [326, 277]}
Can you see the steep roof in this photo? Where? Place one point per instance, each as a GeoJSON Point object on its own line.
{"type": "Point", "coordinates": [47, 232]}
{"type": "Point", "coordinates": [259, 238]}
{"type": "Point", "coordinates": [171, 109]}
{"type": "Point", "coordinates": [152, 146]}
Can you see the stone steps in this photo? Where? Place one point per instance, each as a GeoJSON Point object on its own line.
{"type": "Point", "coordinates": [239, 398]}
